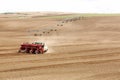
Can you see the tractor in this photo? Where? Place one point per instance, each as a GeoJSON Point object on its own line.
{"type": "Point", "coordinates": [34, 48]}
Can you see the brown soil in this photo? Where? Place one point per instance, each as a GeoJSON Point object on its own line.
{"type": "Point", "coordinates": [86, 49]}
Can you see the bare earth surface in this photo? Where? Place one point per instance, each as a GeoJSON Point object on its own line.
{"type": "Point", "coordinates": [85, 49]}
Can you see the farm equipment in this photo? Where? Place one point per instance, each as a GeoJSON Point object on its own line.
{"type": "Point", "coordinates": [35, 48]}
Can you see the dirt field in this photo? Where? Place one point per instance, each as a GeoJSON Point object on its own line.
{"type": "Point", "coordinates": [84, 49]}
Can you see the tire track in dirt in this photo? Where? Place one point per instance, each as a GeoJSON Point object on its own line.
{"type": "Point", "coordinates": [80, 51]}
{"type": "Point", "coordinates": [63, 64]}
{"type": "Point", "coordinates": [8, 49]}
{"type": "Point", "coordinates": [12, 55]}
{"type": "Point", "coordinates": [93, 56]}
{"type": "Point", "coordinates": [77, 57]}
{"type": "Point", "coordinates": [109, 76]}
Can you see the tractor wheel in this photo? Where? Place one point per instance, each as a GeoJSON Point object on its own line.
{"type": "Point", "coordinates": [37, 52]}
{"type": "Point", "coordinates": [31, 51]}
{"type": "Point", "coordinates": [41, 52]}
{"type": "Point", "coordinates": [26, 51]}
